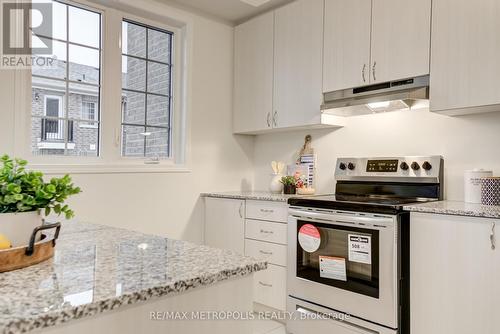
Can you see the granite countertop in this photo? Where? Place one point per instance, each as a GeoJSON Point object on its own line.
{"type": "Point", "coordinates": [98, 268]}
{"type": "Point", "coordinates": [456, 208]}
{"type": "Point", "coordinates": [252, 195]}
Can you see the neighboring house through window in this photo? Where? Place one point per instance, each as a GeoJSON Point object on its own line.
{"type": "Point", "coordinates": [146, 92]}
{"type": "Point", "coordinates": [65, 96]}
{"type": "Point", "coordinates": [51, 129]}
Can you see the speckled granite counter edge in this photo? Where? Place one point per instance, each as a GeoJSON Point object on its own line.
{"type": "Point", "coordinates": [441, 208]}
{"type": "Point", "coordinates": [56, 318]}
{"type": "Point", "coordinates": [258, 197]}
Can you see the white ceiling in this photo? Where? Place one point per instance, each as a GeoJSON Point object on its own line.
{"type": "Point", "coordinates": [233, 11]}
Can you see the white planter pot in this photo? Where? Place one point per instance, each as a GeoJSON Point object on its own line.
{"type": "Point", "coordinates": [17, 227]}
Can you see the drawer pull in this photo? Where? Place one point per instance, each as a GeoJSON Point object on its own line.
{"type": "Point", "coordinates": [265, 284]}
{"type": "Point", "coordinates": [265, 253]}
{"type": "Point", "coordinates": [267, 210]}
{"type": "Point", "coordinates": [266, 232]}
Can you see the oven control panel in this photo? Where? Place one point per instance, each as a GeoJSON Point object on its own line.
{"type": "Point", "coordinates": [418, 168]}
{"type": "Point", "coordinates": [389, 166]}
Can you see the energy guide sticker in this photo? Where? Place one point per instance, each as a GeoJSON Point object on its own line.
{"type": "Point", "coordinates": [360, 248]}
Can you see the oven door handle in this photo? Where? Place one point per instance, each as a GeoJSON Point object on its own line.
{"type": "Point", "coordinates": [340, 219]}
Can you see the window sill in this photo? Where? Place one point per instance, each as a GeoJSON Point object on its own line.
{"type": "Point", "coordinates": [48, 145]}
{"type": "Point", "coordinates": [127, 168]}
{"type": "Point", "coordinates": [88, 126]}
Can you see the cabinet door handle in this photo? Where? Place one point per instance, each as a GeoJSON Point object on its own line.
{"type": "Point", "coordinates": [265, 284]}
{"type": "Point", "coordinates": [373, 71]}
{"type": "Point", "coordinates": [275, 118]}
{"type": "Point", "coordinates": [268, 119]}
{"type": "Point", "coordinates": [240, 210]}
{"type": "Point", "coordinates": [492, 236]}
{"type": "Point", "coordinates": [266, 210]}
{"type": "Point", "coordinates": [266, 231]}
{"type": "Point", "coordinates": [363, 73]}
{"type": "Point", "coordinates": [265, 253]}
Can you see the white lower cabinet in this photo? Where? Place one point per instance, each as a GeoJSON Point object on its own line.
{"type": "Point", "coordinates": [265, 231]}
{"type": "Point", "coordinates": [269, 287]}
{"type": "Point", "coordinates": [257, 229]}
{"type": "Point", "coordinates": [267, 240]}
{"type": "Point", "coordinates": [225, 223]}
{"type": "Point", "coordinates": [273, 253]}
{"type": "Point", "coordinates": [455, 275]}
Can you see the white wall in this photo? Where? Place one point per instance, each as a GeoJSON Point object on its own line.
{"type": "Point", "coordinates": [464, 142]}
{"type": "Point", "coordinates": [168, 203]}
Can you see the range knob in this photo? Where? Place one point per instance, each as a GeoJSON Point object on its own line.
{"type": "Point", "coordinates": [351, 166]}
{"type": "Point", "coordinates": [404, 166]}
{"type": "Point", "coordinates": [415, 165]}
{"type": "Point", "coordinates": [426, 165]}
{"type": "Point", "coordinates": [342, 166]}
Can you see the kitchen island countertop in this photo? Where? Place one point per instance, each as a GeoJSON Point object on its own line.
{"type": "Point", "coordinates": [97, 268]}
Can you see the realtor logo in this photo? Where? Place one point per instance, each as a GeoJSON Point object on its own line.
{"type": "Point", "coordinates": [24, 24]}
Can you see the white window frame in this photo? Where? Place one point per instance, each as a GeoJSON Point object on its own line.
{"type": "Point", "coordinates": [89, 124]}
{"type": "Point", "coordinates": [110, 159]}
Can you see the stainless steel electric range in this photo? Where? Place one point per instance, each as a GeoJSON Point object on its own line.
{"type": "Point", "coordinates": [348, 254]}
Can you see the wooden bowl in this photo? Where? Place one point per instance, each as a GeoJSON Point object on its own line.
{"type": "Point", "coordinates": [33, 253]}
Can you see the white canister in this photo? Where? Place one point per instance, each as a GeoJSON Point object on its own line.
{"type": "Point", "coordinates": [472, 184]}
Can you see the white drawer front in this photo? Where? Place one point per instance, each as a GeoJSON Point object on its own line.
{"type": "Point", "coordinates": [270, 287]}
{"type": "Point", "coordinates": [272, 253]}
{"type": "Point", "coordinates": [265, 231]}
{"type": "Point", "coordinates": [266, 210]}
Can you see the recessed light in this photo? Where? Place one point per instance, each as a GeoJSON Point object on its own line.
{"type": "Point", "coordinates": [255, 3]}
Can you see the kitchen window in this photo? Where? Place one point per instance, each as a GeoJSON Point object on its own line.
{"type": "Point", "coordinates": [146, 91]}
{"type": "Point", "coordinates": [65, 95]}
{"type": "Point", "coordinates": [143, 127]}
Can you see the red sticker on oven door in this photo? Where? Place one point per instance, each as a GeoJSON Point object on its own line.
{"type": "Point", "coordinates": [309, 238]}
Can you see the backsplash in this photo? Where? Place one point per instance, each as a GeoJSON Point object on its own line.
{"type": "Point", "coordinates": [465, 142]}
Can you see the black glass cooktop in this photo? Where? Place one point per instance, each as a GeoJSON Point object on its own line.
{"type": "Point", "coordinates": [366, 203]}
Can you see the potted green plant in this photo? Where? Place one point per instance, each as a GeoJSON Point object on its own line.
{"type": "Point", "coordinates": [25, 196]}
{"type": "Point", "coordinates": [288, 184]}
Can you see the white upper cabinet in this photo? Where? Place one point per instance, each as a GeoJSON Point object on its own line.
{"type": "Point", "coordinates": [279, 69]}
{"type": "Point", "coordinates": [346, 44]}
{"type": "Point", "coordinates": [298, 45]}
{"type": "Point", "coordinates": [401, 37]}
{"type": "Point", "coordinates": [465, 54]}
{"type": "Point", "coordinates": [374, 41]}
{"type": "Point", "coordinates": [253, 77]}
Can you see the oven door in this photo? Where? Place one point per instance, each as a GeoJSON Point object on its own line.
{"type": "Point", "coordinates": [346, 261]}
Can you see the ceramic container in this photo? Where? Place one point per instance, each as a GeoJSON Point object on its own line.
{"type": "Point", "coordinates": [17, 227]}
{"type": "Point", "coordinates": [472, 184]}
{"type": "Point", "coordinates": [490, 190]}
{"type": "Point", "coordinates": [276, 187]}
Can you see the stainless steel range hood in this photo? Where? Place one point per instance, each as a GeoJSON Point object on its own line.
{"type": "Point", "coordinates": [380, 97]}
